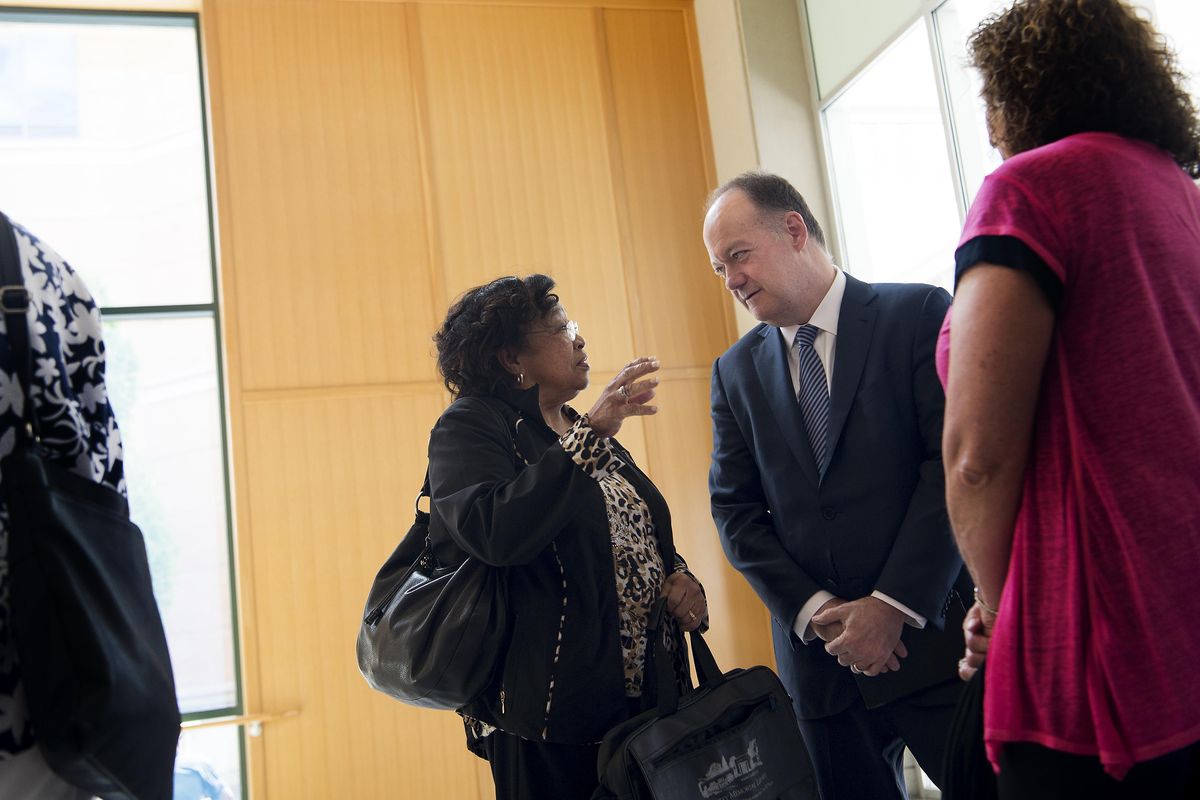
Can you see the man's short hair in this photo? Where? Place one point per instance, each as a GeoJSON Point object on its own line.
{"type": "Point", "coordinates": [772, 193]}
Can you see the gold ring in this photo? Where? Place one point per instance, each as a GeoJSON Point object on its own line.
{"type": "Point", "coordinates": [692, 615]}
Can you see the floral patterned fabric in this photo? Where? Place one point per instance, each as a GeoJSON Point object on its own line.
{"type": "Point", "coordinates": [76, 421]}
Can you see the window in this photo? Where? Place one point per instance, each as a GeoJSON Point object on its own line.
{"type": "Point", "coordinates": [38, 71]}
{"type": "Point", "coordinates": [907, 145]}
{"type": "Point", "coordinates": [954, 21]}
{"type": "Point", "coordinates": [893, 186]}
{"type": "Point", "coordinates": [1179, 21]}
{"type": "Point", "coordinates": [103, 153]}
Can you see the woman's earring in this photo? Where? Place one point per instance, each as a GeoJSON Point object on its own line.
{"type": "Point", "coordinates": [520, 378]}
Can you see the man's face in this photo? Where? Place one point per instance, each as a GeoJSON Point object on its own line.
{"type": "Point", "coordinates": [758, 256]}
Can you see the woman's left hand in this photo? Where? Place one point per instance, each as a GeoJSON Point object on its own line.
{"type": "Point", "coordinates": [977, 632]}
{"type": "Point", "coordinates": [685, 600]}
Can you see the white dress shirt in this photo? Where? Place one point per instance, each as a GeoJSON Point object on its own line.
{"type": "Point", "coordinates": [825, 318]}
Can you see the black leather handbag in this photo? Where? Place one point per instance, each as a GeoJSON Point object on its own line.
{"type": "Point", "coordinates": [433, 634]}
{"type": "Point", "coordinates": [734, 737]}
{"type": "Point", "coordinates": [92, 649]}
{"type": "Point", "coordinates": [969, 774]}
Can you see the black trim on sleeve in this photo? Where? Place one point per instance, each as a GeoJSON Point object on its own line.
{"type": "Point", "coordinates": [1008, 251]}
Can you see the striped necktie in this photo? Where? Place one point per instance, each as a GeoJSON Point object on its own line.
{"type": "Point", "coordinates": [813, 395]}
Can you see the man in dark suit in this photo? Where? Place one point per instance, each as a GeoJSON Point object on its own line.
{"type": "Point", "coordinates": [828, 492]}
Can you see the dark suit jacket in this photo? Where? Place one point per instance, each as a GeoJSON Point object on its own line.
{"type": "Point", "coordinates": [875, 521]}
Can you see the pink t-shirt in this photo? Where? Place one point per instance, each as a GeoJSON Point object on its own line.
{"type": "Point", "coordinates": [1097, 647]}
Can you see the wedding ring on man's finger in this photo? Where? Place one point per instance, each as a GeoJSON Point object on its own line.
{"type": "Point", "coordinates": [692, 615]}
{"type": "Point", "coordinates": [854, 668]}
{"type": "Point", "coordinates": [624, 392]}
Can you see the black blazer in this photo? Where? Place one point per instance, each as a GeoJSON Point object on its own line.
{"type": "Point", "coordinates": [545, 525]}
{"type": "Point", "coordinates": [875, 521]}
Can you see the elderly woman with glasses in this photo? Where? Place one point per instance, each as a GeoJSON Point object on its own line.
{"type": "Point", "coordinates": [523, 482]}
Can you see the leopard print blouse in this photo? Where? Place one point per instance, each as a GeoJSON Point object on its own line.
{"type": "Point", "coordinates": [637, 562]}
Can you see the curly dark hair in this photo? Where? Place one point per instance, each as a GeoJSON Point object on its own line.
{"type": "Point", "coordinates": [1052, 68]}
{"type": "Point", "coordinates": [483, 321]}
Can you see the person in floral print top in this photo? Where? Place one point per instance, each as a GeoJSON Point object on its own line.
{"type": "Point", "coordinates": [79, 431]}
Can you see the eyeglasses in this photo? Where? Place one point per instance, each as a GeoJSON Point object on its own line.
{"type": "Point", "coordinates": [570, 330]}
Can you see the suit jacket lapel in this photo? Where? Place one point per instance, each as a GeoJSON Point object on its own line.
{"type": "Point", "coordinates": [770, 360]}
{"type": "Point", "coordinates": [856, 321]}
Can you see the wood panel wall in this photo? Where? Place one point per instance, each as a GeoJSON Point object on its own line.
{"type": "Point", "coordinates": [373, 160]}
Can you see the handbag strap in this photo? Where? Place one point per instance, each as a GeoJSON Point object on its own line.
{"type": "Point", "coordinates": [664, 671]}
{"type": "Point", "coordinates": [425, 490]}
{"type": "Point", "coordinates": [512, 435]}
{"type": "Point", "coordinates": [512, 424]}
{"type": "Point", "coordinates": [423, 493]}
{"type": "Point", "coordinates": [14, 302]}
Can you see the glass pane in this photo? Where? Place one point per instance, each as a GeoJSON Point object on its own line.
{"type": "Point", "coordinates": [208, 765]}
{"type": "Point", "coordinates": [162, 379]}
{"type": "Point", "coordinates": [1179, 21]}
{"type": "Point", "coordinates": [955, 20]}
{"type": "Point", "coordinates": [102, 151]}
{"type": "Point", "coordinates": [843, 37]}
{"type": "Point", "coordinates": [891, 169]}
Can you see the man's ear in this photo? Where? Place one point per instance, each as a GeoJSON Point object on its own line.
{"type": "Point", "coordinates": [797, 231]}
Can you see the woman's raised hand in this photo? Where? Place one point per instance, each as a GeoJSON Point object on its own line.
{"type": "Point", "coordinates": [626, 395]}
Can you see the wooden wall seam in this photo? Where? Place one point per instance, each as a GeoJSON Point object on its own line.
{"type": "Point", "coordinates": [618, 185]}
{"type": "Point", "coordinates": [351, 390]}
{"type": "Point", "coordinates": [239, 490]}
{"type": "Point", "coordinates": [644, 5]}
{"type": "Point", "coordinates": [706, 140]}
{"type": "Point", "coordinates": [433, 223]}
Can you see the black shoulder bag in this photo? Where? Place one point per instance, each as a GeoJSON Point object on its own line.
{"type": "Point", "coordinates": [734, 737]}
{"type": "Point", "coordinates": [969, 774]}
{"type": "Point", "coordinates": [90, 641]}
{"type": "Point", "coordinates": [432, 634]}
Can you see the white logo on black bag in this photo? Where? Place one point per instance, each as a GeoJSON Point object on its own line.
{"type": "Point", "coordinates": [734, 776]}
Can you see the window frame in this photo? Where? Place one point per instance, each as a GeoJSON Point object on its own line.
{"type": "Point", "coordinates": [927, 16]}
{"type": "Point", "coordinates": [49, 14]}
{"type": "Point", "coordinates": [954, 140]}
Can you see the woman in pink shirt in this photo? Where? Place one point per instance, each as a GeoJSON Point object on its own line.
{"type": "Point", "coordinates": [1072, 428]}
